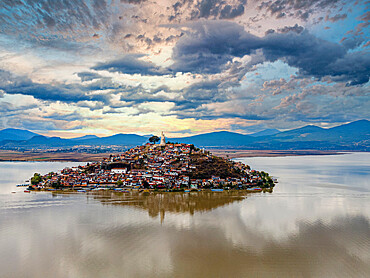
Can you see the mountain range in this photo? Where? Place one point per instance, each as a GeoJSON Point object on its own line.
{"type": "Point", "coordinates": [352, 136]}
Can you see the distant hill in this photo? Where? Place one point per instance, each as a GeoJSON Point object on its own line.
{"type": "Point", "coordinates": [40, 140]}
{"type": "Point", "coordinates": [16, 134]}
{"type": "Point", "coordinates": [54, 142]}
{"type": "Point", "coordinates": [352, 136]}
{"type": "Point", "coordinates": [352, 132]}
{"type": "Point", "coordinates": [216, 139]}
{"type": "Point", "coordinates": [358, 131]}
{"type": "Point", "coordinates": [299, 134]}
{"type": "Point", "coordinates": [85, 137]}
{"type": "Point", "coordinates": [266, 132]}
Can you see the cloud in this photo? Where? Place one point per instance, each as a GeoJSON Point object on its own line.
{"type": "Point", "coordinates": [205, 59]}
{"type": "Point", "coordinates": [64, 25]}
{"type": "Point", "coordinates": [131, 64]}
{"type": "Point", "coordinates": [88, 76]}
{"type": "Point", "coordinates": [296, 28]}
{"type": "Point", "coordinates": [185, 10]}
{"type": "Point", "coordinates": [297, 8]}
{"type": "Point", "coordinates": [336, 18]}
{"type": "Point", "coordinates": [61, 92]}
{"type": "Point", "coordinates": [57, 15]}
{"type": "Point", "coordinates": [352, 67]}
{"type": "Point", "coordinates": [217, 9]}
{"type": "Point", "coordinates": [133, 1]}
{"type": "Point", "coordinates": [211, 45]}
{"type": "Point", "coordinates": [229, 12]}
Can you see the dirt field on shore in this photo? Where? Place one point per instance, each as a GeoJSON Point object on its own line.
{"type": "Point", "coordinates": [86, 157]}
{"type": "Point", "coordinates": [50, 156]}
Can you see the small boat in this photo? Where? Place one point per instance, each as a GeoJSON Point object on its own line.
{"type": "Point", "coordinates": [23, 184]}
{"type": "Point", "coordinates": [81, 190]}
{"type": "Point", "coordinates": [27, 191]}
{"type": "Point", "coordinates": [217, 189]}
{"type": "Point", "coordinates": [186, 190]}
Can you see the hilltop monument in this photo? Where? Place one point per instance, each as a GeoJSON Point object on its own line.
{"type": "Point", "coordinates": [163, 140]}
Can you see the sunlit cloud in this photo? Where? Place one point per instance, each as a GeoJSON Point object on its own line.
{"type": "Point", "coordinates": [104, 67]}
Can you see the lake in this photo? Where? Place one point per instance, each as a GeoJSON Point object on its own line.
{"type": "Point", "coordinates": [316, 223]}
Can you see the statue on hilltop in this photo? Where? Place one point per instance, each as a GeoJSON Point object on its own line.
{"type": "Point", "coordinates": [163, 140]}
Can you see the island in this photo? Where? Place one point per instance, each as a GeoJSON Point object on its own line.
{"type": "Point", "coordinates": [167, 167]}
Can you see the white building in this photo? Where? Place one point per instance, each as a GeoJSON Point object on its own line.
{"type": "Point", "coordinates": [119, 170]}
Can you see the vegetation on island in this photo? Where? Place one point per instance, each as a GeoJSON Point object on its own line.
{"type": "Point", "coordinates": [36, 179]}
{"type": "Point", "coordinates": [154, 139]}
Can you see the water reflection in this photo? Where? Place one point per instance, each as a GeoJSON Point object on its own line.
{"type": "Point", "coordinates": [160, 203]}
{"type": "Point", "coordinates": [116, 242]}
{"type": "Point", "coordinates": [316, 223]}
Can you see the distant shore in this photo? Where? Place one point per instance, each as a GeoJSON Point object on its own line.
{"type": "Point", "coordinates": [6, 155]}
{"type": "Point", "coordinates": [238, 153]}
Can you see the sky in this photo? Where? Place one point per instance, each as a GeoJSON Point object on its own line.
{"type": "Point", "coordinates": [74, 67]}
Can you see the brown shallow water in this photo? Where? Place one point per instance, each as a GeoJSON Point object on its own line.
{"type": "Point", "coordinates": [316, 223]}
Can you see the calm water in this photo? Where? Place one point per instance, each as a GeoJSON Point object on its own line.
{"type": "Point", "coordinates": [316, 223]}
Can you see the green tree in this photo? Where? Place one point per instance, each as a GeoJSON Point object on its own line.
{"type": "Point", "coordinates": [154, 139]}
{"type": "Point", "coordinates": [56, 184]}
{"type": "Point", "coordinates": [36, 179]}
{"type": "Point", "coordinates": [119, 183]}
{"type": "Point", "coordinates": [145, 184]}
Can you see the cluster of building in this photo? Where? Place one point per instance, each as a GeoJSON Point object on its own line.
{"type": "Point", "coordinates": [152, 166]}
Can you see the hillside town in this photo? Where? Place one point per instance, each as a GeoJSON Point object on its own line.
{"type": "Point", "coordinates": [163, 166]}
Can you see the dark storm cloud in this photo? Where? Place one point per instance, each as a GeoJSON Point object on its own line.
{"type": "Point", "coordinates": [218, 9]}
{"type": "Point", "coordinates": [63, 25]}
{"type": "Point", "coordinates": [206, 91]}
{"type": "Point", "coordinates": [67, 93]}
{"type": "Point", "coordinates": [353, 67]}
{"type": "Point", "coordinates": [88, 76]}
{"type": "Point", "coordinates": [61, 15]}
{"type": "Point", "coordinates": [298, 8]}
{"type": "Point", "coordinates": [215, 9]}
{"type": "Point", "coordinates": [212, 44]}
{"type": "Point", "coordinates": [286, 29]}
{"type": "Point", "coordinates": [229, 12]}
{"type": "Point", "coordinates": [296, 28]}
{"type": "Point", "coordinates": [130, 64]}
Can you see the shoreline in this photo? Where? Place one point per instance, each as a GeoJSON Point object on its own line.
{"type": "Point", "coordinates": [30, 156]}
{"type": "Point", "coordinates": [237, 153]}
{"type": "Point", "coordinates": [143, 191]}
